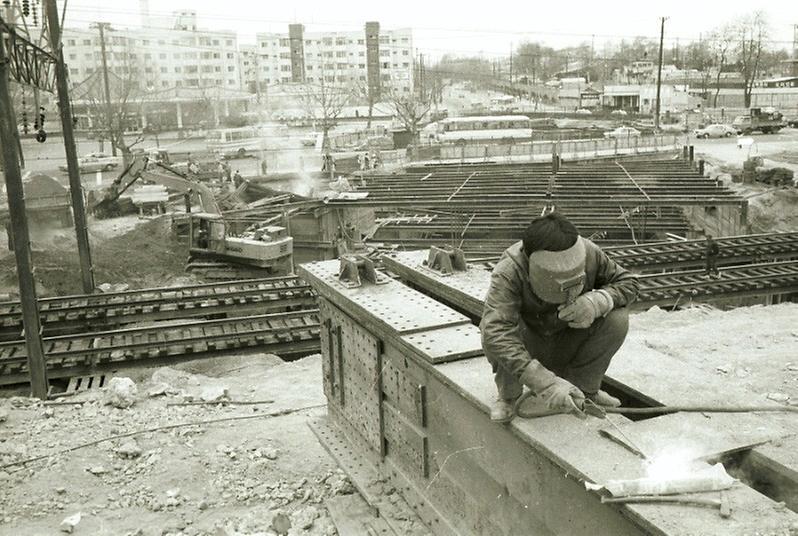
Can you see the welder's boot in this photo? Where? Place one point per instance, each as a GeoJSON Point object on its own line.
{"type": "Point", "coordinates": [502, 410]}
{"type": "Point", "coordinates": [603, 398]}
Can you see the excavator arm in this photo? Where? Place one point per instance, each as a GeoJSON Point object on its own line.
{"type": "Point", "coordinates": [172, 179]}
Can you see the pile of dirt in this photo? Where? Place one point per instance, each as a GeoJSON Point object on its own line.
{"type": "Point", "coordinates": [142, 254]}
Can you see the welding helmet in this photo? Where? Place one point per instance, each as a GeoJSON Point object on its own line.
{"type": "Point", "coordinates": [558, 276]}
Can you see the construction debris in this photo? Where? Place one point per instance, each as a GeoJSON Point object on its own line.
{"type": "Point", "coordinates": [121, 392]}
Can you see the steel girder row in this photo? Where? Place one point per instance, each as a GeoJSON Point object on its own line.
{"type": "Point", "coordinates": [408, 394]}
{"type": "Point", "coordinates": [289, 334]}
{"type": "Point", "coordinates": [92, 312]}
{"type": "Point", "coordinates": [607, 224]}
{"type": "Point", "coordinates": [639, 163]}
{"type": "Point", "coordinates": [668, 289]}
{"type": "Point", "coordinates": [741, 249]}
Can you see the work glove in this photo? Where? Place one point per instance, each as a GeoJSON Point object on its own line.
{"type": "Point", "coordinates": [557, 393]}
{"type": "Point", "coordinates": [586, 308]}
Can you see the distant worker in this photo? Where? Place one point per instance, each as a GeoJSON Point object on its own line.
{"type": "Point", "coordinates": [554, 316]}
{"type": "Point", "coordinates": [264, 167]}
{"type": "Point", "coordinates": [711, 252]}
{"type": "Point", "coordinates": [375, 160]}
{"type": "Point", "coordinates": [366, 161]}
{"type": "Point", "coordinates": [237, 179]}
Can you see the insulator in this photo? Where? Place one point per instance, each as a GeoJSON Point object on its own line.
{"type": "Point", "coordinates": [25, 8]}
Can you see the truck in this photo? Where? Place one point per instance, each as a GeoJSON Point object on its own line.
{"type": "Point", "coordinates": [765, 120]}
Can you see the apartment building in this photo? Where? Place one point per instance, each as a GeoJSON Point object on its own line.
{"type": "Point", "coordinates": [159, 57]}
{"type": "Point", "coordinates": [372, 57]}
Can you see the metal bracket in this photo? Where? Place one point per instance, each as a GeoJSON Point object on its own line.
{"type": "Point", "coordinates": [446, 260]}
{"type": "Point", "coordinates": [356, 268]}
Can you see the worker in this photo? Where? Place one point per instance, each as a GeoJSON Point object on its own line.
{"type": "Point", "coordinates": [554, 316]}
{"type": "Point", "coordinates": [264, 167]}
{"type": "Point", "coordinates": [237, 179]}
{"type": "Point", "coordinates": [711, 252]}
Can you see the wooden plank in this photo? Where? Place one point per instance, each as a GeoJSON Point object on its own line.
{"type": "Point", "coordinates": [352, 516]}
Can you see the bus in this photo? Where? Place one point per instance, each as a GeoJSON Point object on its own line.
{"type": "Point", "coordinates": [478, 128]}
{"type": "Point", "coordinates": [238, 142]}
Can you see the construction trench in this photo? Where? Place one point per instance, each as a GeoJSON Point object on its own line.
{"type": "Point", "coordinates": [407, 387]}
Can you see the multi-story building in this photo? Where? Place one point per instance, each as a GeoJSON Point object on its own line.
{"type": "Point", "coordinates": [157, 58]}
{"type": "Point", "coordinates": [374, 58]}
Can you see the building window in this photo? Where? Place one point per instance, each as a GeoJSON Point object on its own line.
{"type": "Point", "coordinates": [361, 41]}
{"type": "Point", "coordinates": [230, 55]}
{"type": "Point", "coordinates": [178, 69]}
{"type": "Point", "coordinates": [327, 41]}
{"type": "Point", "coordinates": [285, 56]}
{"type": "Point", "coordinates": [405, 53]}
{"type": "Point", "coordinates": [284, 42]}
{"type": "Point", "coordinates": [163, 69]}
{"type": "Point", "coordinates": [87, 42]}
{"type": "Point", "coordinates": [230, 68]}
{"type": "Point", "coordinates": [215, 42]}
{"type": "Point", "coordinates": [229, 42]}
{"type": "Point", "coordinates": [340, 41]}
{"type": "Point", "coordinates": [73, 56]}
{"type": "Point", "coordinates": [285, 68]}
{"type": "Point", "coordinates": [340, 54]}
{"type": "Point", "coordinates": [162, 56]}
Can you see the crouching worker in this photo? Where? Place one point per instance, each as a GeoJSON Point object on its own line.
{"type": "Point", "coordinates": [554, 317]}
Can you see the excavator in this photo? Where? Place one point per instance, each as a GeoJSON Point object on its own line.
{"type": "Point", "coordinates": [268, 249]}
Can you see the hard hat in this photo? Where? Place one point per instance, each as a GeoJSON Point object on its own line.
{"type": "Point", "coordinates": [558, 276]}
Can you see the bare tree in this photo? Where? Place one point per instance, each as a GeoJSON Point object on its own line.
{"type": "Point", "coordinates": [721, 47]}
{"type": "Point", "coordinates": [324, 100]}
{"type": "Point", "coordinates": [119, 121]}
{"type": "Point", "coordinates": [750, 33]}
{"type": "Point", "coordinates": [363, 93]}
{"type": "Point", "coordinates": [411, 108]}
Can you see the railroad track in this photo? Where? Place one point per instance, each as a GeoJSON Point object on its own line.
{"type": "Point", "coordinates": [95, 312]}
{"type": "Point", "coordinates": [289, 334]}
{"type": "Point", "coordinates": [733, 250]}
{"type": "Point", "coordinates": [467, 291]}
{"type": "Point", "coordinates": [762, 279]}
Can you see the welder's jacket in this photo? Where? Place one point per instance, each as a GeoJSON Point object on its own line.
{"type": "Point", "coordinates": [512, 309]}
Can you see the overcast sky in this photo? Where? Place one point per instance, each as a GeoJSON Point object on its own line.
{"type": "Point", "coordinates": [456, 27]}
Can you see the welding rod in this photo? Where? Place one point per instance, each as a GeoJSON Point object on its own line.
{"type": "Point", "coordinates": [700, 409]}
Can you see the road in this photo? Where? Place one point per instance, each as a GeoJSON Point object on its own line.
{"type": "Point", "coordinates": [284, 152]}
{"type": "Point", "coordinates": [769, 146]}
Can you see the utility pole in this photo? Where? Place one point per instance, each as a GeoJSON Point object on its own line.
{"type": "Point", "coordinates": [67, 125]}
{"type": "Point", "coordinates": [21, 238]}
{"type": "Point", "coordinates": [109, 111]}
{"type": "Point", "coordinates": [659, 71]}
{"type": "Point", "coordinates": [511, 63]}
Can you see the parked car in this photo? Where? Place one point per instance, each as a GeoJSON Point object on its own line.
{"type": "Point", "coordinates": [623, 132]}
{"type": "Point", "coordinates": [618, 112]}
{"type": "Point", "coordinates": [583, 111]}
{"type": "Point", "coordinates": [715, 131]}
{"type": "Point", "coordinates": [95, 162]}
{"type": "Point", "coordinates": [792, 121]}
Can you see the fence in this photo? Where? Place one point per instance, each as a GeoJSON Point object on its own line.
{"type": "Point", "coordinates": [349, 139]}
{"type": "Point", "coordinates": [542, 150]}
